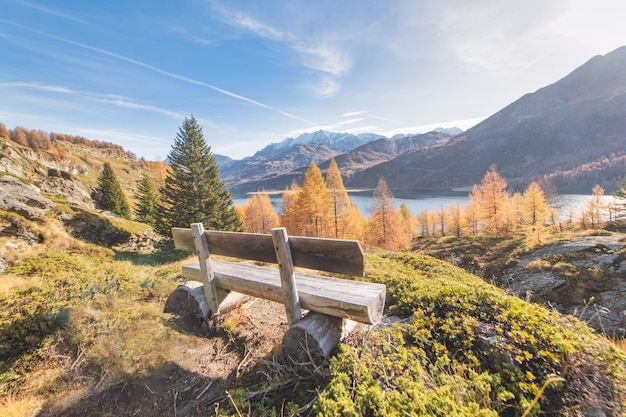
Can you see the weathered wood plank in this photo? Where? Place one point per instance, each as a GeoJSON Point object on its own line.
{"type": "Point", "coordinates": [358, 301]}
{"type": "Point", "coordinates": [202, 249]}
{"type": "Point", "coordinates": [330, 255]}
{"type": "Point", "coordinates": [287, 275]}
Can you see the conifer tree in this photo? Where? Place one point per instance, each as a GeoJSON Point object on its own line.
{"type": "Point", "coordinates": [534, 212]}
{"type": "Point", "coordinates": [423, 222]}
{"type": "Point", "coordinates": [409, 223]}
{"type": "Point", "coordinates": [148, 208]}
{"type": "Point", "coordinates": [472, 211]}
{"type": "Point", "coordinates": [258, 215]}
{"type": "Point", "coordinates": [384, 228]}
{"type": "Point", "coordinates": [193, 191]}
{"type": "Point", "coordinates": [289, 216]}
{"type": "Point", "coordinates": [313, 205]}
{"type": "Point", "coordinates": [346, 220]}
{"type": "Point", "coordinates": [109, 193]}
{"type": "Point", "coordinates": [456, 220]}
{"type": "Point", "coordinates": [492, 198]}
{"type": "Point", "coordinates": [596, 206]}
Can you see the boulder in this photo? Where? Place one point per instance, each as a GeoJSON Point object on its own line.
{"type": "Point", "coordinates": [23, 199]}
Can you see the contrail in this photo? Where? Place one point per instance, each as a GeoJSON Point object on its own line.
{"type": "Point", "coordinates": [160, 71]}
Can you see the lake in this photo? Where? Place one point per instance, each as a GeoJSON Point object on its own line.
{"type": "Point", "coordinates": [568, 205]}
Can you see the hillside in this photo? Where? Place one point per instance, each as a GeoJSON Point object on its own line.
{"type": "Point", "coordinates": [83, 332]}
{"type": "Point", "coordinates": [573, 132]}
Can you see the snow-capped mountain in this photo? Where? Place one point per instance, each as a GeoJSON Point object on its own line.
{"type": "Point", "coordinates": [341, 142]}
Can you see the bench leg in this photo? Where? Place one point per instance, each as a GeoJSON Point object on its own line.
{"type": "Point", "coordinates": [189, 301]}
{"type": "Point", "coordinates": [313, 338]}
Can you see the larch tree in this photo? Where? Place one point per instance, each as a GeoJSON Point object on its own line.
{"type": "Point", "coordinates": [433, 220]}
{"type": "Point", "coordinates": [148, 209]}
{"type": "Point", "coordinates": [108, 193]}
{"type": "Point", "coordinates": [313, 205]}
{"type": "Point", "coordinates": [409, 222]}
{"type": "Point", "coordinates": [442, 219]}
{"type": "Point", "coordinates": [384, 227]}
{"type": "Point", "coordinates": [193, 191]}
{"type": "Point", "coordinates": [339, 200]}
{"type": "Point", "coordinates": [534, 213]}
{"type": "Point", "coordinates": [423, 222]}
{"type": "Point", "coordinates": [258, 215]}
{"type": "Point", "coordinates": [596, 207]}
{"type": "Point", "coordinates": [289, 212]}
{"type": "Point", "coordinates": [492, 200]}
{"type": "Point", "coordinates": [514, 215]}
{"type": "Point", "coordinates": [456, 220]}
{"type": "Point", "coordinates": [346, 221]}
{"type": "Point", "coordinates": [472, 211]}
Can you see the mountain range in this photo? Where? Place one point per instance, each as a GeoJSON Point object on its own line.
{"type": "Point", "coordinates": [572, 133]}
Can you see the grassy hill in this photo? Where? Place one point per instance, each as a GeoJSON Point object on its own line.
{"type": "Point", "coordinates": [82, 332]}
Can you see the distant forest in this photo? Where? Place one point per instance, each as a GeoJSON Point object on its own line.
{"type": "Point", "coordinates": [41, 140]}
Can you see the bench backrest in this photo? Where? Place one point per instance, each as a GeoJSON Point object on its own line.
{"type": "Point", "coordinates": [330, 255]}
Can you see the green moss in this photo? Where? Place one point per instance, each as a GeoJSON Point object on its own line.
{"type": "Point", "coordinates": [466, 349]}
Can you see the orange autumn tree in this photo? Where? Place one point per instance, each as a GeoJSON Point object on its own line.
{"type": "Point", "coordinates": [289, 216]}
{"type": "Point", "coordinates": [491, 197]}
{"type": "Point", "coordinates": [346, 222]}
{"type": "Point", "coordinates": [258, 215]}
{"type": "Point", "coordinates": [534, 210]}
{"type": "Point", "coordinates": [385, 228]}
{"type": "Point", "coordinates": [308, 213]}
{"type": "Point", "coordinates": [409, 222]}
{"type": "Point", "coordinates": [595, 207]}
{"type": "Point", "coordinates": [456, 220]}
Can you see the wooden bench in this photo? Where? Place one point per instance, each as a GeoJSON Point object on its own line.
{"type": "Point", "coordinates": [330, 300]}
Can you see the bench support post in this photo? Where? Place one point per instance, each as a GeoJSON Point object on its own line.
{"type": "Point", "coordinates": [202, 247]}
{"type": "Point", "coordinates": [287, 275]}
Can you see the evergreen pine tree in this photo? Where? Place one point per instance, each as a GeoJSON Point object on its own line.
{"type": "Point", "coordinates": [193, 191]}
{"type": "Point", "coordinates": [148, 202]}
{"type": "Point", "coordinates": [111, 196]}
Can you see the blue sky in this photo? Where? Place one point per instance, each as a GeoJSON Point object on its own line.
{"type": "Point", "coordinates": [256, 72]}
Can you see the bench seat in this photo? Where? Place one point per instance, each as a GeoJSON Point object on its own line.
{"type": "Point", "coordinates": [355, 300]}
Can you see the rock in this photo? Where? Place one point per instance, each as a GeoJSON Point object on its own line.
{"type": "Point", "coordinates": [601, 253]}
{"type": "Point", "coordinates": [24, 199]}
{"type": "Point", "coordinates": [72, 192]}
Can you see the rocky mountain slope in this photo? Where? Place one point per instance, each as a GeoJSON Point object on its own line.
{"type": "Point", "coordinates": [41, 192]}
{"type": "Point", "coordinates": [573, 132]}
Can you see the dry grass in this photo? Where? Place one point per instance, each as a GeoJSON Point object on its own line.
{"type": "Point", "coordinates": [25, 406]}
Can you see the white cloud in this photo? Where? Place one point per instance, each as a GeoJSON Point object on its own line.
{"type": "Point", "coordinates": [247, 22]}
{"type": "Point", "coordinates": [315, 54]}
{"type": "Point", "coordinates": [112, 99]}
{"type": "Point", "coordinates": [463, 124]}
{"type": "Point", "coordinates": [497, 36]}
{"type": "Point", "coordinates": [351, 121]}
{"type": "Point", "coordinates": [161, 71]}
{"type": "Point", "coordinates": [323, 58]}
{"type": "Point", "coordinates": [354, 113]}
{"type": "Point", "coordinates": [326, 87]}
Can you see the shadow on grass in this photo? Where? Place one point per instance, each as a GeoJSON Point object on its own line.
{"type": "Point", "coordinates": [165, 254]}
{"type": "Point", "coordinates": [222, 372]}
